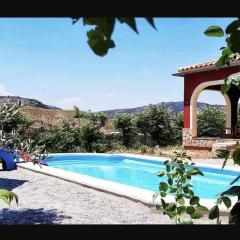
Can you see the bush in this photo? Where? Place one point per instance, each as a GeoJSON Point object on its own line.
{"type": "Point", "coordinates": [157, 125]}
{"type": "Point", "coordinates": [211, 120]}
{"type": "Point", "coordinates": [77, 113]}
{"type": "Point", "coordinates": [124, 123]}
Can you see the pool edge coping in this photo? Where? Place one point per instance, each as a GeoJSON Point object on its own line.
{"type": "Point", "coordinates": [121, 190]}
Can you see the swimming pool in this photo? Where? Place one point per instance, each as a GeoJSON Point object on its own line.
{"type": "Point", "coordinates": [139, 172]}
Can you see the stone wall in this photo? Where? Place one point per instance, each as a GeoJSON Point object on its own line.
{"type": "Point", "coordinates": [195, 143]}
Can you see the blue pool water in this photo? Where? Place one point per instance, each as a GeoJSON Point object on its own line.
{"type": "Point", "coordinates": [138, 172]}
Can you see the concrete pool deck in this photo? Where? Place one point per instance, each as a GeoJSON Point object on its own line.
{"type": "Point", "coordinates": [122, 190]}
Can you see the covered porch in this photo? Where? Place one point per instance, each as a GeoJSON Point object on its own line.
{"type": "Point", "coordinates": [205, 76]}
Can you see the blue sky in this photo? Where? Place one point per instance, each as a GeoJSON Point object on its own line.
{"type": "Point", "coordinates": [48, 59]}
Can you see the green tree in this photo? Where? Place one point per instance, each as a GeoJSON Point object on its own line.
{"type": "Point", "coordinates": [76, 112]}
{"type": "Point", "coordinates": [211, 120]}
{"type": "Point", "coordinates": [90, 136]}
{"type": "Point", "coordinates": [98, 118]}
{"type": "Point", "coordinates": [157, 123]}
{"type": "Point", "coordinates": [124, 123]}
{"type": "Point", "coordinates": [178, 123]}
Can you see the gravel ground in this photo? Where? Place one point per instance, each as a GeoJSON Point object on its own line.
{"type": "Point", "coordinates": [49, 200]}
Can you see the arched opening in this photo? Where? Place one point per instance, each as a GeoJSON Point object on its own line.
{"type": "Point", "coordinates": [214, 86]}
{"type": "Point", "coordinates": [213, 120]}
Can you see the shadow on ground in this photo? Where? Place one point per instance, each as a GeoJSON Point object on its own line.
{"type": "Point", "coordinates": [31, 216]}
{"type": "Point", "coordinates": [10, 184]}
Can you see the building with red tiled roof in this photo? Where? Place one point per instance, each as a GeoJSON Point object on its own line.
{"type": "Point", "coordinates": [205, 76]}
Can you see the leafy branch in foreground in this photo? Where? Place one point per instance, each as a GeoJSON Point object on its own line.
{"type": "Point", "coordinates": [100, 36]}
{"type": "Point", "coordinates": [8, 196]}
{"type": "Point", "coordinates": [234, 215]}
{"type": "Point", "coordinates": [230, 52]}
{"type": "Point", "coordinates": [186, 205]}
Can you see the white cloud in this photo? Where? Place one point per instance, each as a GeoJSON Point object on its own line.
{"type": "Point", "coordinates": [3, 91]}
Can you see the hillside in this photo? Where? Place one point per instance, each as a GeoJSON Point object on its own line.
{"type": "Point", "coordinates": [28, 101]}
{"type": "Point", "coordinates": [46, 114]}
{"type": "Point", "coordinates": [174, 106]}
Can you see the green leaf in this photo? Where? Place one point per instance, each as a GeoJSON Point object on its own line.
{"type": "Point", "coordinates": [181, 201]}
{"type": "Point", "coordinates": [107, 25]}
{"type": "Point", "coordinates": [170, 181]}
{"type": "Point", "coordinates": [185, 189]}
{"type": "Point", "coordinates": [163, 194]}
{"type": "Point", "coordinates": [196, 215]}
{"type": "Point", "coordinates": [151, 21]}
{"type": "Point", "coordinates": [233, 41]}
{"type": "Point", "coordinates": [166, 162]}
{"type": "Point", "coordinates": [75, 20]}
{"type": "Point", "coordinates": [227, 201]}
{"type": "Point", "coordinates": [201, 208]}
{"type": "Point", "coordinates": [171, 207]}
{"type": "Point", "coordinates": [181, 209]}
{"type": "Point", "coordinates": [163, 203]}
{"type": "Point", "coordinates": [234, 216]}
{"type": "Point", "coordinates": [190, 193]}
{"type": "Point", "coordinates": [235, 180]}
{"type": "Point", "coordinates": [91, 21]}
{"type": "Point", "coordinates": [233, 191]}
{"type": "Point", "coordinates": [223, 153]}
{"type": "Point", "coordinates": [214, 212]}
{"type": "Point", "coordinates": [190, 210]}
{"type": "Point", "coordinates": [194, 171]}
{"type": "Point", "coordinates": [163, 186]}
{"type": "Point", "coordinates": [173, 190]}
{"type": "Point", "coordinates": [160, 173]}
{"type": "Point", "coordinates": [168, 169]}
{"type": "Point", "coordinates": [221, 61]}
{"type": "Point", "coordinates": [219, 200]}
{"type": "Point", "coordinates": [236, 156]}
{"type": "Point", "coordinates": [98, 43]}
{"type": "Point", "coordinates": [214, 31]}
{"type": "Point", "coordinates": [194, 200]}
{"type": "Point", "coordinates": [8, 196]}
{"type": "Point", "coordinates": [130, 22]}
{"type": "Point", "coordinates": [227, 51]}
{"type": "Point", "coordinates": [233, 26]}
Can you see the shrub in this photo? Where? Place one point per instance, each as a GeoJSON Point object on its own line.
{"type": "Point", "coordinates": [211, 120]}
{"type": "Point", "coordinates": [124, 123]}
{"type": "Point", "coordinates": [157, 124]}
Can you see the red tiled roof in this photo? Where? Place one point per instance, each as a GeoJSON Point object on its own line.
{"type": "Point", "coordinates": [204, 66]}
{"type": "Point", "coordinates": [196, 66]}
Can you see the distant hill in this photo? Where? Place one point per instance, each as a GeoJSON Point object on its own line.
{"type": "Point", "coordinates": [28, 101]}
{"type": "Point", "coordinates": [174, 106]}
